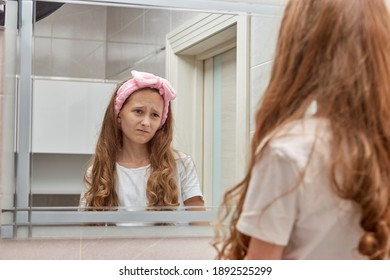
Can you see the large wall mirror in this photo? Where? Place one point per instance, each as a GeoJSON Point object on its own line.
{"type": "Point", "coordinates": [72, 55]}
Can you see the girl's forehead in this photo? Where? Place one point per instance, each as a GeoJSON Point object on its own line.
{"type": "Point", "coordinates": [146, 94]}
{"type": "Point", "coordinates": [146, 90]}
{"type": "Point", "coordinates": [145, 97]}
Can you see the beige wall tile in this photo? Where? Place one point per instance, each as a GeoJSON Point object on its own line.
{"type": "Point", "coordinates": [39, 249]}
{"type": "Point", "coordinates": [147, 249]}
{"type": "Point", "coordinates": [264, 35]}
{"type": "Point", "coordinates": [260, 76]}
{"type": "Point", "coordinates": [108, 249]}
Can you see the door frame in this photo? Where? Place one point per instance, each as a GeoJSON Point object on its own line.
{"type": "Point", "coordinates": [186, 48]}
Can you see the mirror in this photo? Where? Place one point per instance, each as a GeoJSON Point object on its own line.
{"type": "Point", "coordinates": [80, 51]}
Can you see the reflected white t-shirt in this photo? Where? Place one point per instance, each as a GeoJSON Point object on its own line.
{"type": "Point", "coordinates": [309, 219]}
{"type": "Point", "coordinates": [131, 185]}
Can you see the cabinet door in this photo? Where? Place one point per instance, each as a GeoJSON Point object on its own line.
{"type": "Point", "coordinates": [67, 115]}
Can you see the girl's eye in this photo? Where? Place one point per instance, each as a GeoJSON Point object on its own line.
{"type": "Point", "coordinates": [138, 111]}
{"type": "Point", "coordinates": [155, 115]}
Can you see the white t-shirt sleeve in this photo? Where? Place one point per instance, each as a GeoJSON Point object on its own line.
{"type": "Point", "coordinates": [188, 178]}
{"type": "Point", "coordinates": [270, 206]}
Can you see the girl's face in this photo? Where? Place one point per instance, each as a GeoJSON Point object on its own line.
{"type": "Point", "coordinates": [140, 116]}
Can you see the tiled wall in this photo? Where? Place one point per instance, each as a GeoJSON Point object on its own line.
{"type": "Point", "coordinates": [108, 249]}
{"type": "Point", "coordinates": [71, 43]}
{"type": "Point", "coordinates": [87, 41]}
{"type": "Point", "coordinates": [264, 32]}
{"type": "Point", "coordinates": [136, 39]}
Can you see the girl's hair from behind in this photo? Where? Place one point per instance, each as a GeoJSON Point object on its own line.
{"type": "Point", "coordinates": [161, 187]}
{"type": "Point", "coordinates": [337, 53]}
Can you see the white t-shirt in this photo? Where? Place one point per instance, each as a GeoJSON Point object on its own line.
{"type": "Point", "coordinates": [309, 219]}
{"type": "Point", "coordinates": [131, 185]}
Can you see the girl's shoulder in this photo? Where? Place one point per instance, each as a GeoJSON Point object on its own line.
{"type": "Point", "coordinates": [298, 140]}
{"type": "Point", "coordinates": [179, 155]}
{"type": "Point", "coordinates": [183, 160]}
{"type": "Point", "coordinates": [302, 132]}
{"type": "Point", "coordinates": [88, 172]}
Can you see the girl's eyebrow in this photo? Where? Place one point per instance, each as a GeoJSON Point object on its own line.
{"type": "Point", "coordinates": [153, 109]}
{"type": "Point", "coordinates": [138, 105]}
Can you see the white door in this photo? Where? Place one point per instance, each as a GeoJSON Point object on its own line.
{"type": "Point", "coordinates": [220, 155]}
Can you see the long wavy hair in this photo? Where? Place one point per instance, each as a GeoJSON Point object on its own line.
{"type": "Point", "coordinates": [336, 52]}
{"type": "Point", "coordinates": [161, 189]}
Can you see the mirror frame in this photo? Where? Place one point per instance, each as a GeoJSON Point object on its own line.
{"type": "Point", "coordinates": [24, 215]}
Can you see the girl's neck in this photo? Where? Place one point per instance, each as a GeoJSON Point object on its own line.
{"type": "Point", "coordinates": [132, 157]}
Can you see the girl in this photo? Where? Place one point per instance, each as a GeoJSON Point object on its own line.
{"type": "Point", "coordinates": [318, 185]}
{"type": "Point", "coordinates": [134, 164]}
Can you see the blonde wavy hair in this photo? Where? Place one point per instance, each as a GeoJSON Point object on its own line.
{"type": "Point", "coordinates": [336, 52]}
{"type": "Point", "coordinates": [161, 190]}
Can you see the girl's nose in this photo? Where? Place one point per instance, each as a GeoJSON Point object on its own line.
{"type": "Point", "coordinates": [145, 121]}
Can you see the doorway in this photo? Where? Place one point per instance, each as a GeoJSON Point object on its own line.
{"type": "Point", "coordinates": [208, 65]}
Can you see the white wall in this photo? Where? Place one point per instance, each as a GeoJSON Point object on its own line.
{"type": "Point", "coordinates": [264, 32]}
{"type": "Point", "coordinates": [97, 42]}
{"type": "Point", "coordinates": [71, 43]}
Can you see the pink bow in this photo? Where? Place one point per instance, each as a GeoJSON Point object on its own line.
{"type": "Point", "coordinates": [145, 80]}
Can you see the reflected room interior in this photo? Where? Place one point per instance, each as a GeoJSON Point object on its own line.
{"type": "Point", "coordinates": [79, 52]}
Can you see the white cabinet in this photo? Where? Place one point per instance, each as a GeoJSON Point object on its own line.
{"type": "Point", "coordinates": [58, 173]}
{"type": "Point", "coordinates": [67, 115]}
{"type": "Point", "coordinates": [66, 120]}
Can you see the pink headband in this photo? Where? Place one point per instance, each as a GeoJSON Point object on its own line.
{"type": "Point", "coordinates": [145, 80]}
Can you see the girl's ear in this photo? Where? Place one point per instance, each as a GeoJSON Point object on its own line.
{"type": "Point", "coordinates": [118, 120]}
